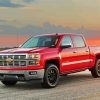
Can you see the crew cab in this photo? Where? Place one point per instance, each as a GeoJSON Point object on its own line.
{"type": "Point", "coordinates": [46, 57]}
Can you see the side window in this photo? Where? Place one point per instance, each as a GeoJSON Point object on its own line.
{"type": "Point", "coordinates": [67, 41]}
{"type": "Point", "coordinates": [79, 42]}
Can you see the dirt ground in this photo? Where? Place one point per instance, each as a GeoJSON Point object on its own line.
{"type": "Point", "coordinates": [79, 86]}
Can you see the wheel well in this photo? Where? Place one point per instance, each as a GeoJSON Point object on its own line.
{"type": "Point", "coordinates": [54, 61]}
{"type": "Point", "coordinates": [97, 56]}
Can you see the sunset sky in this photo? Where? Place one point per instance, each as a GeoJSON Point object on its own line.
{"type": "Point", "coordinates": [20, 19]}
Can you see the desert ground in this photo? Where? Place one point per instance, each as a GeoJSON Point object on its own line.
{"type": "Point", "coordinates": [78, 86]}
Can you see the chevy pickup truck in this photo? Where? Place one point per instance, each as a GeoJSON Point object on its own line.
{"type": "Point", "coordinates": [46, 57]}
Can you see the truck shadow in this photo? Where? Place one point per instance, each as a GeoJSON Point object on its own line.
{"type": "Point", "coordinates": [75, 78]}
{"type": "Point", "coordinates": [64, 80]}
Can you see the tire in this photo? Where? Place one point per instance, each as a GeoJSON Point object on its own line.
{"type": "Point", "coordinates": [51, 76]}
{"type": "Point", "coordinates": [95, 71]}
{"type": "Point", "coordinates": [9, 83]}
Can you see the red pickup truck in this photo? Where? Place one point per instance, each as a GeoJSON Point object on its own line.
{"type": "Point", "coordinates": [46, 57]}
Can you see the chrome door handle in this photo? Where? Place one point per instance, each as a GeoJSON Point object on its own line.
{"type": "Point", "coordinates": [74, 51]}
{"type": "Point", "coordinates": [87, 51]}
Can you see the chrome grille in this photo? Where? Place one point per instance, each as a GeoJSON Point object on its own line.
{"type": "Point", "coordinates": [17, 60]}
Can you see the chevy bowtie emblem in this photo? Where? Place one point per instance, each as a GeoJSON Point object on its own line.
{"type": "Point", "coordinates": [9, 60]}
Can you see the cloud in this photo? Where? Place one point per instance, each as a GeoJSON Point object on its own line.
{"type": "Point", "coordinates": [47, 28]}
{"type": "Point", "coordinates": [14, 4]}
{"type": "Point", "coordinates": [8, 3]}
{"type": "Point", "coordinates": [14, 35]}
{"type": "Point", "coordinates": [3, 21]}
{"type": "Point", "coordinates": [28, 1]}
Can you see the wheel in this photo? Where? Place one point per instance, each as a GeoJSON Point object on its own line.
{"type": "Point", "coordinates": [9, 83]}
{"type": "Point", "coordinates": [51, 76]}
{"type": "Point", "coordinates": [95, 71]}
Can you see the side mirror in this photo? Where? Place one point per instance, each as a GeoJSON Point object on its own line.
{"type": "Point", "coordinates": [65, 46]}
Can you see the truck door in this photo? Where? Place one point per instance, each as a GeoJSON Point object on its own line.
{"type": "Point", "coordinates": [83, 55]}
{"type": "Point", "coordinates": [68, 55]}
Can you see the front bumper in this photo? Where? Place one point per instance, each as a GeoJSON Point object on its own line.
{"type": "Point", "coordinates": [21, 75]}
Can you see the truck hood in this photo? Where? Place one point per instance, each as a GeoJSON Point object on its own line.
{"type": "Point", "coordinates": [25, 50]}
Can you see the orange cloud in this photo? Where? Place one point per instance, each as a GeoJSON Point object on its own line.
{"type": "Point", "coordinates": [11, 41]}
{"type": "Point", "coordinates": [93, 42]}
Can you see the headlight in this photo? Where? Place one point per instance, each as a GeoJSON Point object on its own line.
{"type": "Point", "coordinates": [34, 59]}
{"type": "Point", "coordinates": [34, 56]}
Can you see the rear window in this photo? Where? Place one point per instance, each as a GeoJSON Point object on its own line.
{"type": "Point", "coordinates": [79, 41]}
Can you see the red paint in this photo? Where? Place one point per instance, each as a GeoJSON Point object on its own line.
{"type": "Point", "coordinates": [69, 60]}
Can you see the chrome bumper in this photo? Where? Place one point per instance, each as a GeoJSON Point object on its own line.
{"type": "Point", "coordinates": [21, 75]}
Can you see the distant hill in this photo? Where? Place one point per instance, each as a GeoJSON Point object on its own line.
{"type": "Point", "coordinates": [7, 48]}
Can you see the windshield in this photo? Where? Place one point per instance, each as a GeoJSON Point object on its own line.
{"type": "Point", "coordinates": [41, 41]}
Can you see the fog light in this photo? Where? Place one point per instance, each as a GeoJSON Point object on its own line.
{"type": "Point", "coordinates": [31, 62]}
{"type": "Point", "coordinates": [37, 62]}
{"type": "Point", "coordinates": [34, 62]}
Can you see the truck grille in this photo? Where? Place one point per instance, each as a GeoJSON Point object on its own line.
{"type": "Point", "coordinates": [13, 60]}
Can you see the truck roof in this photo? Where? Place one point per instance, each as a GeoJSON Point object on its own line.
{"type": "Point", "coordinates": [60, 34]}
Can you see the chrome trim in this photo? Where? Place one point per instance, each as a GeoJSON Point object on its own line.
{"type": "Point", "coordinates": [13, 55]}
{"type": "Point", "coordinates": [15, 60]}
{"type": "Point", "coordinates": [27, 76]}
{"type": "Point", "coordinates": [76, 62]}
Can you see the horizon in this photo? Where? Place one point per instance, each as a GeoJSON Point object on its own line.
{"type": "Point", "coordinates": [20, 19]}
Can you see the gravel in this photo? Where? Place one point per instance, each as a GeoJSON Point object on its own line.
{"type": "Point", "coordinates": [79, 86]}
